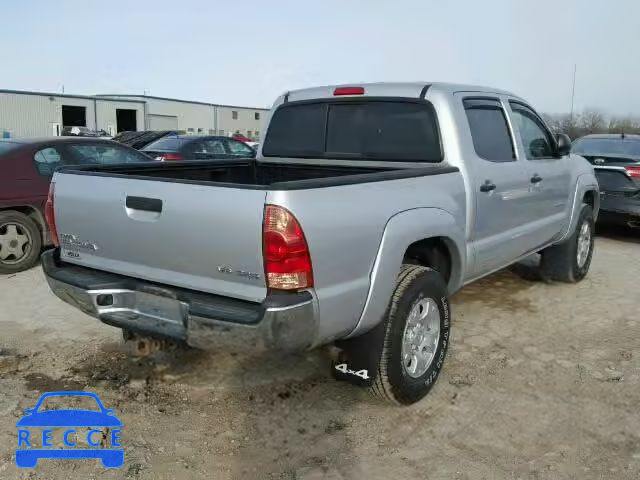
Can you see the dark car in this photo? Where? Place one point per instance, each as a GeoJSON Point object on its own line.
{"type": "Point", "coordinates": [26, 167]}
{"type": "Point", "coordinates": [616, 160]}
{"type": "Point", "coordinates": [139, 140]}
{"type": "Point", "coordinates": [190, 147]}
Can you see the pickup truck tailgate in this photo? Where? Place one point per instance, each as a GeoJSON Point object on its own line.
{"type": "Point", "coordinates": [206, 238]}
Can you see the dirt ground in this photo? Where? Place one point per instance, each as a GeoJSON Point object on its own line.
{"type": "Point", "coordinates": [542, 381]}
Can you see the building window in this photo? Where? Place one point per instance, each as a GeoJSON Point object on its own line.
{"type": "Point", "coordinates": [257, 115]}
{"type": "Point", "coordinates": [200, 131]}
{"type": "Point", "coordinates": [212, 131]}
{"type": "Point", "coordinates": [189, 131]}
{"type": "Point", "coordinates": [257, 135]}
{"type": "Point", "coordinates": [221, 133]}
{"type": "Point", "coordinates": [234, 114]}
{"type": "Point", "coordinates": [249, 133]}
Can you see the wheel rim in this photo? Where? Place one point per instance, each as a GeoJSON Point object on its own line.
{"type": "Point", "coordinates": [15, 243]}
{"type": "Point", "coordinates": [584, 244]}
{"type": "Point", "coordinates": [421, 337]}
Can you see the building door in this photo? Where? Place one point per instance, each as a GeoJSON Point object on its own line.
{"type": "Point", "coordinates": [126, 120]}
{"type": "Point", "coordinates": [74, 116]}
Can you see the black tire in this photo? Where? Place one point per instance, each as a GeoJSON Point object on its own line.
{"type": "Point", "coordinates": [560, 262]}
{"type": "Point", "coordinates": [393, 383]}
{"type": "Point", "coordinates": [31, 250]}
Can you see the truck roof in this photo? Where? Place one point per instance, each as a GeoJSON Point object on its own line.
{"type": "Point", "coordinates": [393, 89]}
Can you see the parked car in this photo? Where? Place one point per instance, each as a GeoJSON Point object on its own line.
{"type": "Point", "coordinates": [139, 140]}
{"type": "Point", "coordinates": [80, 132]}
{"type": "Point", "coordinates": [367, 207]}
{"type": "Point", "coordinates": [26, 167]}
{"type": "Point", "coordinates": [190, 147]}
{"type": "Point", "coordinates": [616, 158]}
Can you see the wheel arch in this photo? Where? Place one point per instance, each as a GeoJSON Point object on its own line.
{"type": "Point", "coordinates": [34, 214]}
{"type": "Point", "coordinates": [586, 191]}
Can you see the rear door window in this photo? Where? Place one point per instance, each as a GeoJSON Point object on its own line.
{"type": "Point", "coordinates": [367, 130]}
{"type": "Point", "coordinates": [47, 161]}
{"type": "Point", "coordinates": [104, 155]}
{"type": "Point", "coordinates": [214, 146]}
{"type": "Point", "coordinates": [239, 148]}
{"type": "Point", "coordinates": [167, 144]}
{"type": "Point", "coordinates": [489, 130]}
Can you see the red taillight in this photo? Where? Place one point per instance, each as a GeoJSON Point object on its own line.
{"type": "Point", "coordinates": [348, 91]}
{"type": "Point", "coordinates": [633, 171]}
{"type": "Point", "coordinates": [169, 157]}
{"type": "Point", "coordinates": [287, 263]}
{"type": "Point", "coordinates": [50, 216]}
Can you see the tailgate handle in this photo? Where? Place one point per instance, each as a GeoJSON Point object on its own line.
{"type": "Point", "coordinates": [144, 203]}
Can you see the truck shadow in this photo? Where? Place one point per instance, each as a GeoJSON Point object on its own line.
{"type": "Point", "coordinates": [620, 233]}
{"type": "Point", "coordinates": [277, 416]}
{"type": "Point", "coordinates": [295, 425]}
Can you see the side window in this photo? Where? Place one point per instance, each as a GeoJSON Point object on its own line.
{"type": "Point", "coordinates": [47, 160]}
{"type": "Point", "coordinates": [103, 155]}
{"type": "Point", "coordinates": [535, 138]}
{"type": "Point", "coordinates": [239, 148]}
{"type": "Point", "coordinates": [213, 146]}
{"type": "Point", "coordinates": [489, 130]}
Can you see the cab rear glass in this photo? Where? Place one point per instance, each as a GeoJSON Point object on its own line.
{"type": "Point", "coordinates": [355, 130]}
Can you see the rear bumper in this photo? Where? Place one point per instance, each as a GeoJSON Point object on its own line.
{"type": "Point", "coordinates": [619, 210]}
{"type": "Point", "coordinates": [284, 321]}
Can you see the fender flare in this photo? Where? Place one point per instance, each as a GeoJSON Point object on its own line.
{"type": "Point", "coordinates": [587, 182]}
{"type": "Point", "coordinates": [401, 230]}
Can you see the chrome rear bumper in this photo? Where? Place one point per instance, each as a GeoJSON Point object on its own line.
{"type": "Point", "coordinates": [285, 322]}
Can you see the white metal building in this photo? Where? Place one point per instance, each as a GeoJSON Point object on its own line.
{"type": "Point", "coordinates": [37, 114]}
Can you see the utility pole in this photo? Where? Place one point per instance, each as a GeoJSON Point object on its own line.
{"type": "Point", "coordinates": [573, 89]}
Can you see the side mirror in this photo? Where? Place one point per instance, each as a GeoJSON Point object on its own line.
{"type": "Point", "coordinates": [564, 144]}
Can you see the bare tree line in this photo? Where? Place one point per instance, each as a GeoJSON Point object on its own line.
{"type": "Point", "coordinates": [591, 121]}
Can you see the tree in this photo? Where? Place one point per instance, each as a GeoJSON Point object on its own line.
{"type": "Point", "coordinates": [592, 121]}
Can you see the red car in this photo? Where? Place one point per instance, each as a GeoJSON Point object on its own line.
{"type": "Point", "coordinates": [26, 167]}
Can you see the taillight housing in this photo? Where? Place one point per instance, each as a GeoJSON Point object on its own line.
{"type": "Point", "coordinates": [50, 216]}
{"type": "Point", "coordinates": [169, 157]}
{"type": "Point", "coordinates": [287, 262]}
{"type": "Point", "coordinates": [633, 171]}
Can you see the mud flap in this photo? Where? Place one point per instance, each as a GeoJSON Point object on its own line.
{"type": "Point", "coordinates": [359, 357]}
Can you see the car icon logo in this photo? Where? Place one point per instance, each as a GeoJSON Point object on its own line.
{"type": "Point", "coordinates": [33, 446]}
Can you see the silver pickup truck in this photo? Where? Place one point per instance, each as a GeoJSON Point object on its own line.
{"type": "Point", "coordinates": [366, 207]}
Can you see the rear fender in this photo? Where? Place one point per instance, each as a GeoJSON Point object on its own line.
{"type": "Point", "coordinates": [361, 350]}
{"type": "Point", "coordinates": [402, 230]}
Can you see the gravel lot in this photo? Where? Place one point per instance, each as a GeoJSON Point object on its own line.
{"type": "Point", "coordinates": [542, 382]}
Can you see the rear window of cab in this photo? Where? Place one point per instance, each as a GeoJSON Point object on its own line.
{"type": "Point", "coordinates": [355, 130]}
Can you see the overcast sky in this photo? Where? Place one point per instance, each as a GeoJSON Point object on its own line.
{"type": "Point", "coordinates": [247, 52]}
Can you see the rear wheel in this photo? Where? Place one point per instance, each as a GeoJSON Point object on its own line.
{"type": "Point", "coordinates": [570, 260]}
{"type": "Point", "coordinates": [416, 336]}
{"type": "Point", "coordinates": [20, 242]}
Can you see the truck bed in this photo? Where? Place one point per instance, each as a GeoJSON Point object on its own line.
{"type": "Point", "coordinates": [258, 175]}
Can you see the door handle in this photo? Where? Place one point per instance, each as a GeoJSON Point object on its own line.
{"type": "Point", "coordinates": [145, 204]}
{"type": "Point", "coordinates": [536, 178]}
{"type": "Point", "coordinates": [487, 186]}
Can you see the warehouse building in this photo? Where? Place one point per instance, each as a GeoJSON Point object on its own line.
{"type": "Point", "coordinates": [37, 114]}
